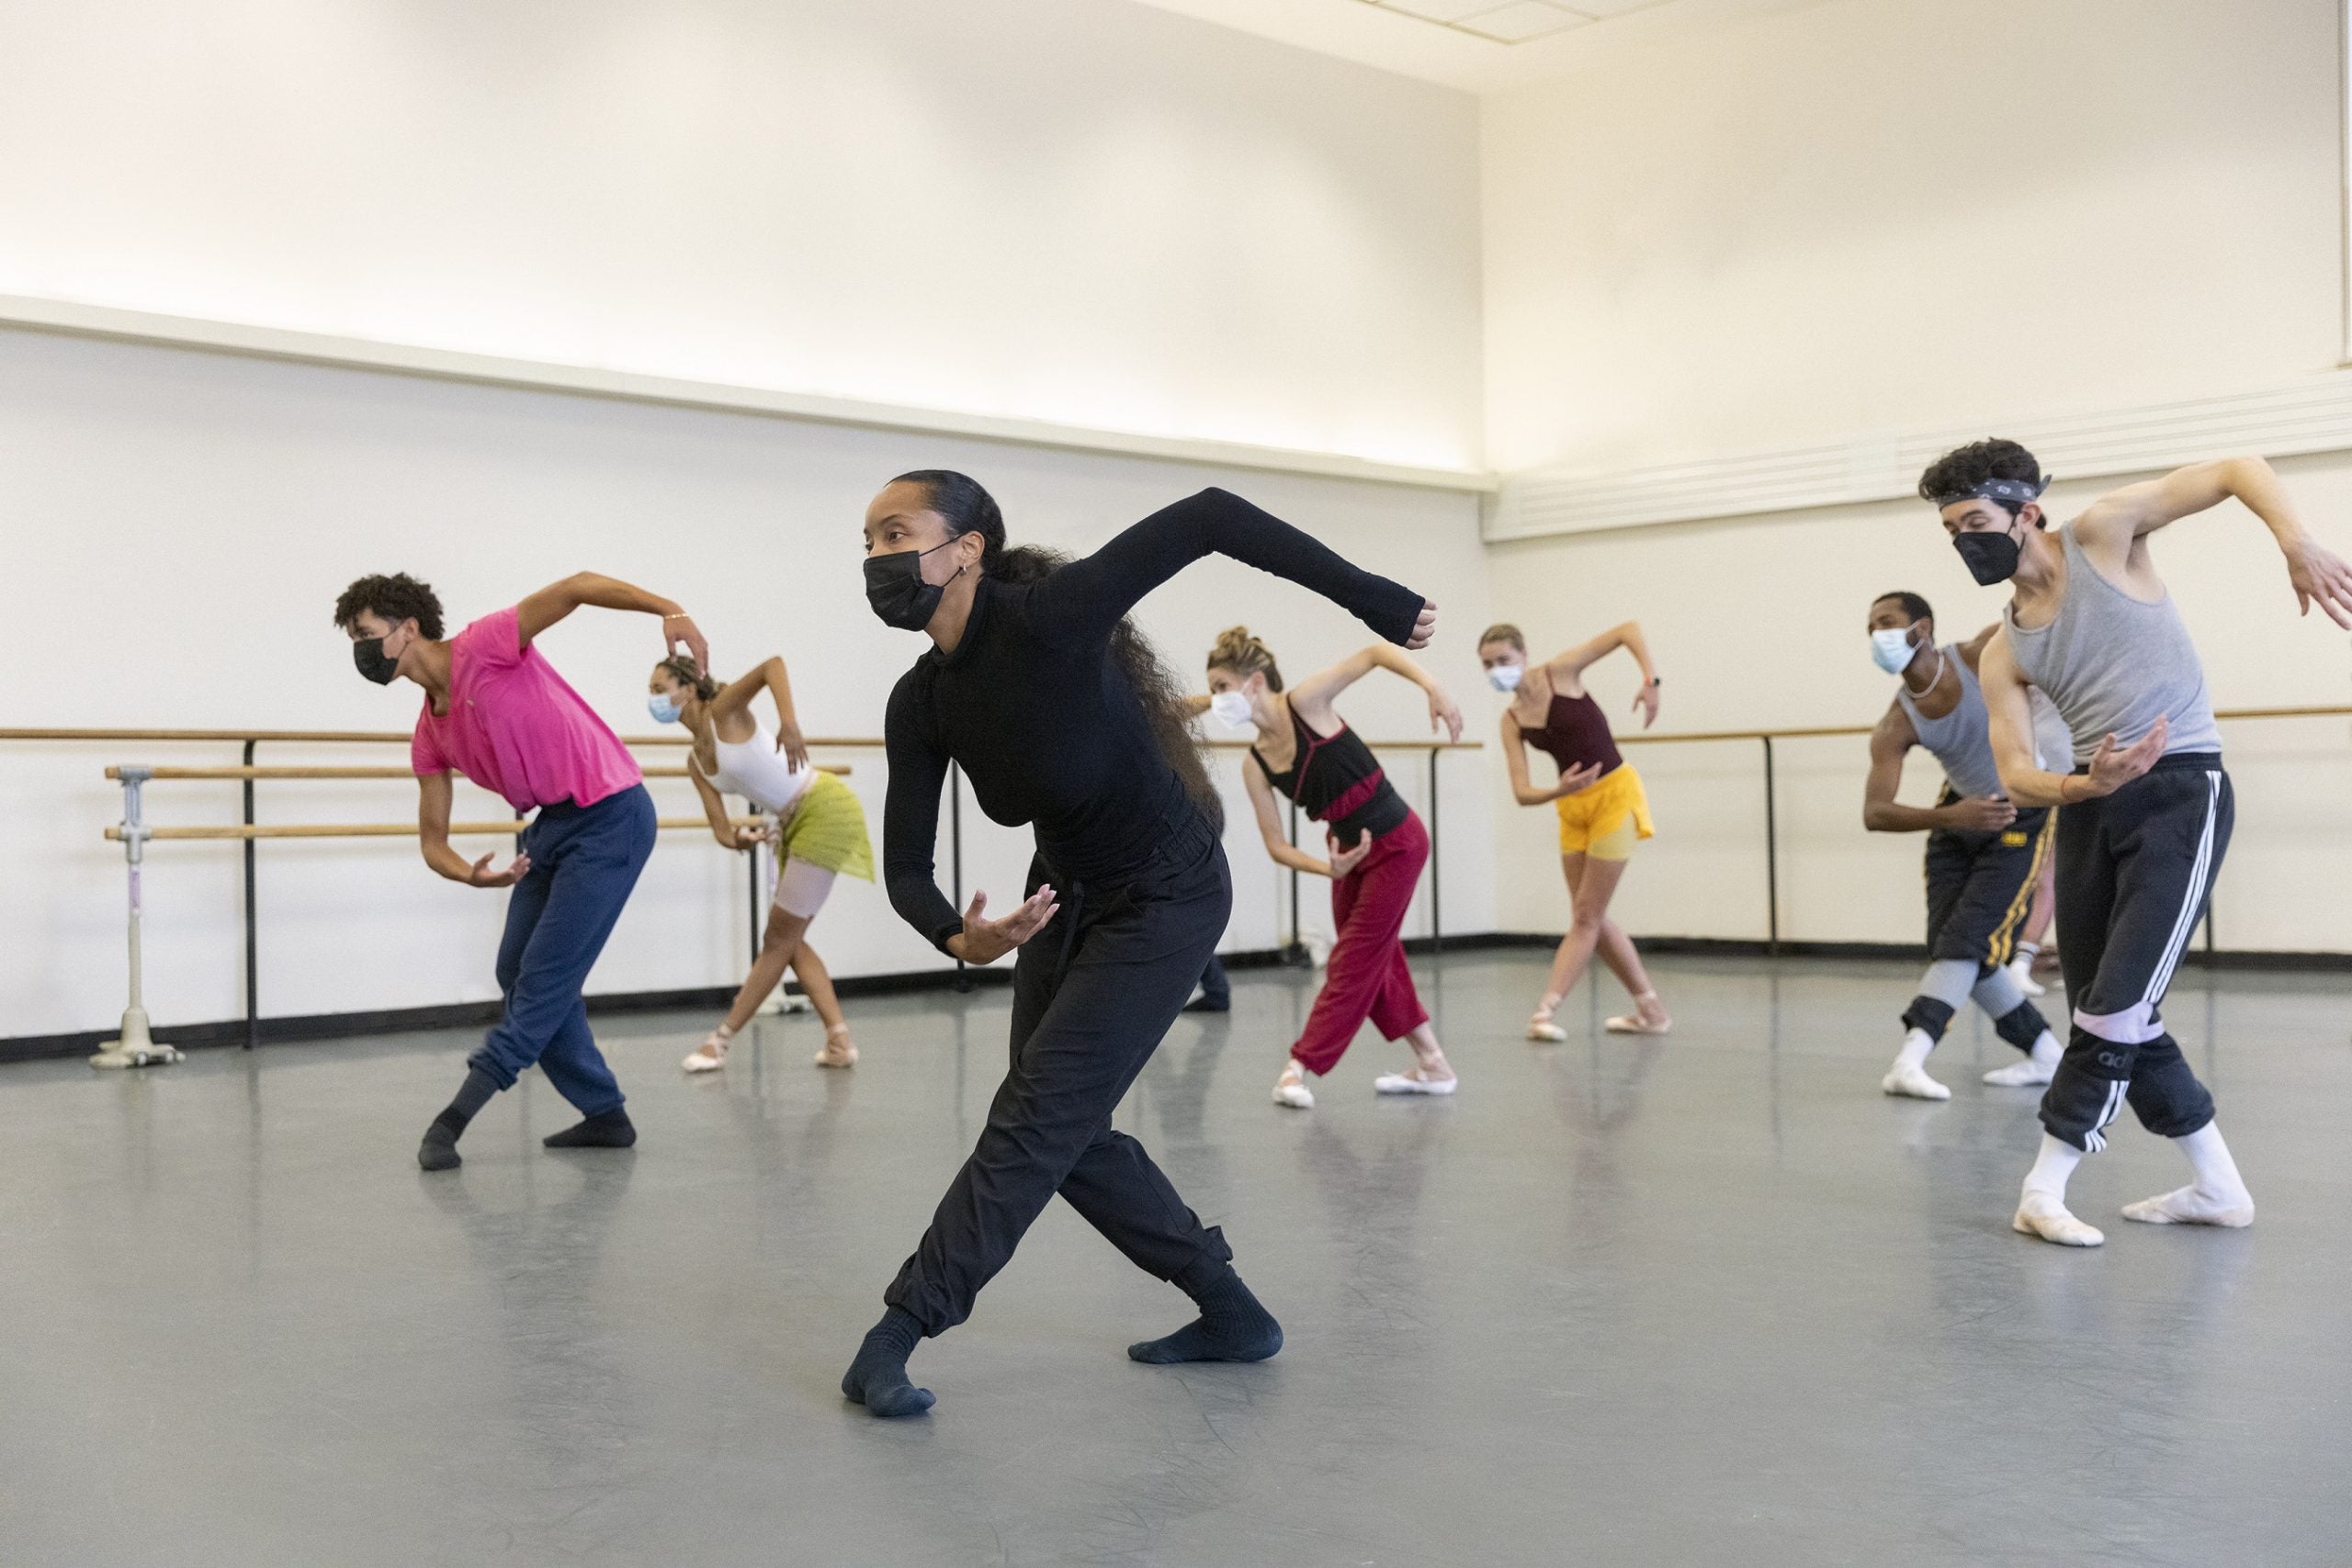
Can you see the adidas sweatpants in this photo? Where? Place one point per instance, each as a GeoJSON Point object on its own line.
{"type": "Point", "coordinates": [2134, 871]}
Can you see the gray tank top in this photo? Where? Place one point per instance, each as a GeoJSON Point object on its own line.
{"type": "Point", "coordinates": [2112, 664]}
{"type": "Point", "coordinates": [1962, 740]}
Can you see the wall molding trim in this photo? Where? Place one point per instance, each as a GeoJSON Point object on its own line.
{"type": "Point", "coordinates": [2287, 419]}
{"type": "Point", "coordinates": [78, 319]}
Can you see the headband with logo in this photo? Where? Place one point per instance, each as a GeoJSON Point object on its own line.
{"type": "Point", "coordinates": [2010, 492]}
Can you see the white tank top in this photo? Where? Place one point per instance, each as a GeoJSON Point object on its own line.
{"type": "Point", "coordinates": [755, 770]}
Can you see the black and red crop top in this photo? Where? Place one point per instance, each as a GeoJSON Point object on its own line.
{"type": "Point", "coordinates": [1337, 781]}
{"type": "Point", "coordinates": [1575, 733]}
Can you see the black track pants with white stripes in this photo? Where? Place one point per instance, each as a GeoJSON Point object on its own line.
{"type": "Point", "coordinates": [2134, 871]}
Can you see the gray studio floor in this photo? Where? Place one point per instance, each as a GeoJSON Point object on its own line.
{"type": "Point", "coordinates": [1711, 1300]}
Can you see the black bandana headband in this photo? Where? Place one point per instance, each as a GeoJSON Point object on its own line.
{"type": "Point", "coordinates": [2010, 492]}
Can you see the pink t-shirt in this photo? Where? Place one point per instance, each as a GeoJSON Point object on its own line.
{"type": "Point", "coordinates": [513, 725]}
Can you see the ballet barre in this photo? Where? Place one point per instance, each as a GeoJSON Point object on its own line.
{"type": "Point", "coordinates": [1832, 732]}
{"type": "Point", "coordinates": [248, 773]}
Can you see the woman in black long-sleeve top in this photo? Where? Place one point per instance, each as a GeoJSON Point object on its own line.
{"type": "Point", "coordinates": [1060, 716]}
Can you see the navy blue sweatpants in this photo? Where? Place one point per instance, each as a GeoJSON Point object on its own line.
{"type": "Point", "coordinates": [584, 861]}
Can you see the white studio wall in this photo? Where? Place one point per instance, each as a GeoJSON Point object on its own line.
{"type": "Point", "coordinates": [189, 517]}
{"type": "Point", "coordinates": [1759, 623]}
{"type": "Point", "coordinates": [1837, 236]}
{"type": "Point", "coordinates": [1062, 211]}
{"type": "Point", "coordinates": [1874, 215]}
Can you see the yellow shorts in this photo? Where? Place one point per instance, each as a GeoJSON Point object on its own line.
{"type": "Point", "coordinates": [1604, 818]}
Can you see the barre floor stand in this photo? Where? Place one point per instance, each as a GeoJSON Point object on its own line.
{"type": "Point", "coordinates": [135, 1047]}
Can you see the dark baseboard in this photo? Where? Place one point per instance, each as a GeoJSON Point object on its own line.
{"type": "Point", "coordinates": [460, 1015]}
{"type": "Point", "coordinates": [476, 1015]}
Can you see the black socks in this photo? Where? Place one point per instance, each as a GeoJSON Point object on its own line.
{"type": "Point", "coordinates": [439, 1149]}
{"type": "Point", "coordinates": [605, 1130]}
{"type": "Point", "coordinates": [878, 1379]}
{"type": "Point", "coordinates": [1232, 1328]}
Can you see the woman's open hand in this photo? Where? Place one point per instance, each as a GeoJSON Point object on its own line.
{"type": "Point", "coordinates": [1576, 779]}
{"type": "Point", "coordinates": [1443, 713]}
{"type": "Point", "coordinates": [481, 875]}
{"type": "Point", "coordinates": [1346, 861]}
{"type": "Point", "coordinates": [983, 940]}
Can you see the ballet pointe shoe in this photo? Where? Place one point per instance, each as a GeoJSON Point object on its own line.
{"type": "Point", "coordinates": [711, 1054]}
{"type": "Point", "coordinates": [1639, 1020]}
{"type": "Point", "coordinates": [837, 1051]}
{"type": "Point", "coordinates": [1291, 1088]}
{"type": "Point", "coordinates": [1541, 1027]}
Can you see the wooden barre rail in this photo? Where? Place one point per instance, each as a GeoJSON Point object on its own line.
{"type": "Point", "coordinates": [1826, 730]}
{"type": "Point", "coordinates": [402, 736]}
{"type": "Point", "coordinates": [116, 772]}
{"type": "Point", "coordinates": [377, 829]}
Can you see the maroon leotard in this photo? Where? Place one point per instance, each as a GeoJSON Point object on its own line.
{"type": "Point", "coordinates": [1575, 733]}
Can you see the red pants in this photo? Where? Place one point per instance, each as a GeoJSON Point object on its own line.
{"type": "Point", "coordinates": [1368, 976]}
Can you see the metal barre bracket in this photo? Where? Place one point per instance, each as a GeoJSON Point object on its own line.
{"type": "Point", "coordinates": [135, 1047]}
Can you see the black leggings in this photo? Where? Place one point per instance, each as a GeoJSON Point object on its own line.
{"type": "Point", "coordinates": [1092, 994]}
{"type": "Point", "coordinates": [2134, 871]}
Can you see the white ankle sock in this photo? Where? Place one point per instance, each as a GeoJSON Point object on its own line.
{"type": "Point", "coordinates": [2208, 1157]}
{"type": "Point", "coordinates": [2035, 1069]}
{"type": "Point", "coordinates": [2218, 1197]}
{"type": "Point", "coordinates": [2052, 1166]}
{"type": "Point", "coordinates": [1916, 1047]}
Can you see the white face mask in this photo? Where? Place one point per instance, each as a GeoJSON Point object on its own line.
{"type": "Point", "coordinates": [1232, 708]}
{"type": "Point", "coordinates": [1506, 677]}
{"type": "Point", "coordinates": [1891, 649]}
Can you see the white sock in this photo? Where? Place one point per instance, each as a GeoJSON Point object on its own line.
{"type": "Point", "coordinates": [2218, 1197]}
{"type": "Point", "coordinates": [1908, 1075]}
{"type": "Point", "coordinates": [2052, 1166]}
{"type": "Point", "coordinates": [1916, 1047]}
{"type": "Point", "coordinates": [2041, 1207]}
{"type": "Point", "coordinates": [2208, 1157]}
{"type": "Point", "coordinates": [2037, 1069]}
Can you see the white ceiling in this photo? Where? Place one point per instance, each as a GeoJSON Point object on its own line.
{"type": "Point", "coordinates": [1437, 40]}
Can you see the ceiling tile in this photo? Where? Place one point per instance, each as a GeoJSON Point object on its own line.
{"type": "Point", "coordinates": [1516, 23]}
{"type": "Point", "coordinates": [1437, 10]}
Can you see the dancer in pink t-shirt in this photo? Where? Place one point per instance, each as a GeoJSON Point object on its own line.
{"type": "Point", "coordinates": [496, 711]}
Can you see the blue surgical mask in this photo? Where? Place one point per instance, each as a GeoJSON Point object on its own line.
{"type": "Point", "coordinates": [1505, 677]}
{"type": "Point", "coordinates": [1891, 649]}
{"type": "Point", "coordinates": [663, 710]}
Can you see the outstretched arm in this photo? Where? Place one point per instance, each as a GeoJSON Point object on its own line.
{"type": "Point", "coordinates": [1084, 599]}
{"type": "Point", "coordinates": [1626, 635]}
{"type": "Point", "coordinates": [1312, 698]}
{"type": "Point", "coordinates": [2108, 530]}
{"type": "Point", "coordinates": [536, 612]}
{"type": "Point", "coordinates": [2022, 774]}
{"type": "Point", "coordinates": [768, 676]}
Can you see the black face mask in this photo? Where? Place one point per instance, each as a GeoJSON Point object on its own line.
{"type": "Point", "coordinates": [1991, 557]}
{"type": "Point", "coordinates": [894, 588]}
{"type": "Point", "coordinates": [368, 654]}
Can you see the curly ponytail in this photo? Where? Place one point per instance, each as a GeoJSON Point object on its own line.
{"type": "Point", "coordinates": [967, 508]}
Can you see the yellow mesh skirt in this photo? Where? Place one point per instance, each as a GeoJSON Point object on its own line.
{"type": "Point", "coordinates": [827, 828]}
